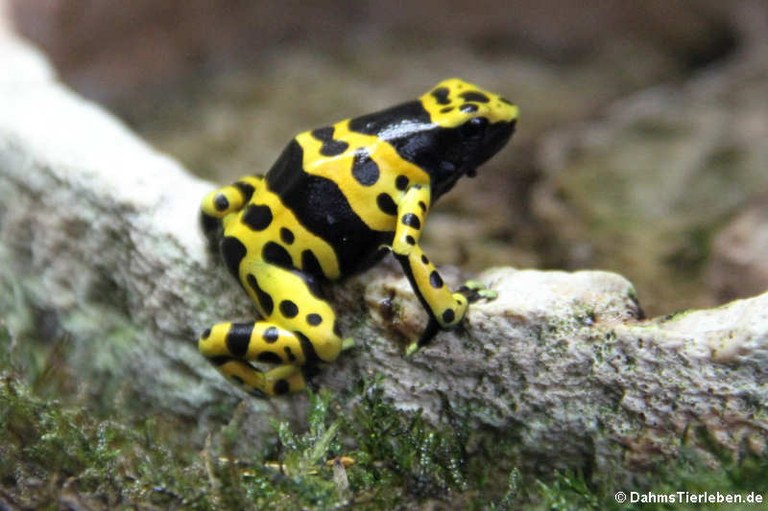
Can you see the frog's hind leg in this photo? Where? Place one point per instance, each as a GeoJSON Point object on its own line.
{"type": "Point", "coordinates": [299, 330]}
{"type": "Point", "coordinates": [230, 347]}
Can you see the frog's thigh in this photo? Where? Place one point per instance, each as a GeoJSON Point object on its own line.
{"type": "Point", "coordinates": [287, 299]}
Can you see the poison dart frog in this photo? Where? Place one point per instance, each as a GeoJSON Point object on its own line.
{"type": "Point", "coordinates": [336, 200]}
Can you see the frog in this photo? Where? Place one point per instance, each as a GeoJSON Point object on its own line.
{"type": "Point", "coordinates": [335, 202]}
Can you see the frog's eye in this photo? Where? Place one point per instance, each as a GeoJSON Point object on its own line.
{"type": "Point", "coordinates": [474, 127]}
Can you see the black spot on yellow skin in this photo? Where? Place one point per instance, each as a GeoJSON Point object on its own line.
{"type": "Point", "coordinates": [206, 334]}
{"type": "Point", "coordinates": [410, 240]}
{"type": "Point", "coordinates": [281, 387]}
{"type": "Point", "coordinates": [221, 202]}
{"type": "Point", "coordinates": [449, 316]}
{"type": "Point", "coordinates": [424, 259]}
{"type": "Point", "coordinates": [323, 134]}
{"type": "Point", "coordinates": [422, 206]}
{"type": "Point", "coordinates": [441, 95]}
{"type": "Point", "coordinates": [334, 148]}
{"type": "Point", "coordinates": [435, 280]}
{"type": "Point", "coordinates": [220, 360]}
{"type": "Point", "coordinates": [269, 357]}
{"type": "Point", "coordinates": [468, 108]}
{"type": "Point", "coordinates": [364, 169]}
{"type": "Point", "coordinates": [446, 109]}
{"type": "Point", "coordinates": [310, 355]}
{"type": "Point", "coordinates": [266, 302]}
{"type": "Point", "coordinates": [245, 189]}
{"type": "Point", "coordinates": [330, 147]}
{"type": "Point", "coordinates": [411, 220]}
{"type": "Point", "coordinates": [271, 335]}
{"type": "Point", "coordinates": [276, 254]}
{"type": "Point", "coordinates": [289, 353]}
{"type": "Point", "coordinates": [386, 204]}
{"type": "Point", "coordinates": [287, 236]}
{"type": "Point", "coordinates": [238, 338]}
{"type": "Point", "coordinates": [257, 217]}
{"type": "Point", "coordinates": [476, 96]}
{"type": "Point", "coordinates": [289, 309]}
{"type": "Point", "coordinates": [310, 264]}
{"type": "Point", "coordinates": [314, 319]}
{"type": "Point", "coordinates": [401, 183]}
{"type": "Point", "coordinates": [233, 251]}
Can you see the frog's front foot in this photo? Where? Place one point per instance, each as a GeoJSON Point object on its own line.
{"type": "Point", "coordinates": [472, 291]}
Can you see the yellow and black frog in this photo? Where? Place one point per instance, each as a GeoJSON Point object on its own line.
{"type": "Point", "coordinates": [336, 200]}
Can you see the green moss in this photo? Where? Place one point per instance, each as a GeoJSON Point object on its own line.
{"type": "Point", "coordinates": [52, 450]}
{"type": "Point", "coordinates": [47, 448]}
{"type": "Point", "coordinates": [400, 450]}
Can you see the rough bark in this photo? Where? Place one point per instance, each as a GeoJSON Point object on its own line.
{"type": "Point", "coordinates": [100, 232]}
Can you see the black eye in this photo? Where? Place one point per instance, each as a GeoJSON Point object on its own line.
{"type": "Point", "coordinates": [474, 127]}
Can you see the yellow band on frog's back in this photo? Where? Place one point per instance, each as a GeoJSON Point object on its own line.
{"type": "Point", "coordinates": [394, 174]}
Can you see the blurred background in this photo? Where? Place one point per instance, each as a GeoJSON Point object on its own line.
{"type": "Point", "coordinates": [641, 147]}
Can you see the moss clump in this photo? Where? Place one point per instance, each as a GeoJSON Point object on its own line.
{"type": "Point", "coordinates": [52, 454]}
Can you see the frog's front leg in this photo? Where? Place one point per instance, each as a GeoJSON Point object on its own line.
{"type": "Point", "coordinates": [231, 198]}
{"type": "Point", "coordinates": [446, 309]}
{"type": "Point", "coordinates": [224, 201]}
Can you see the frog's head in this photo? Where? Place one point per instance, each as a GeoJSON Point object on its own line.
{"type": "Point", "coordinates": [469, 126]}
{"type": "Point", "coordinates": [449, 132]}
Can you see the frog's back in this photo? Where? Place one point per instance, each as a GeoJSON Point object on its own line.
{"type": "Point", "coordinates": [321, 203]}
{"type": "Point", "coordinates": [342, 183]}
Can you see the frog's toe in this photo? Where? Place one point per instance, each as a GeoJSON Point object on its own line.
{"type": "Point", "coordinates": [474, 291]}
{"type": "Point", "coordinates": [347, 344]}
{"type": "Point", "coordinates": [487, 294]}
